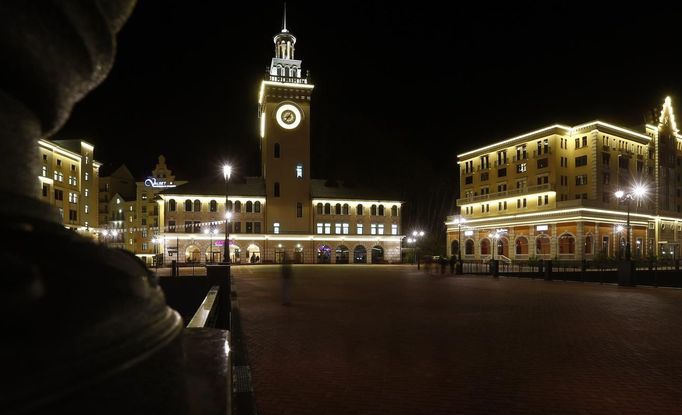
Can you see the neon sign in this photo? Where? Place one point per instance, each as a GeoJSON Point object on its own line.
{"type": "Point", "coordinates": [152, 182]}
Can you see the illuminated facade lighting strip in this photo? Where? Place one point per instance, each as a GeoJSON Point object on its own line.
{"type": "Point", "coordinates": [510, 198]}
{"type": "Point", "coordinates": [552, 221]}
{"type": "Point", "coordinates": [510, 140]}
{"type": "Point", "coordinates": [386, 202]}
{"type": "Point", "coordinates": [217, 197]}
{"type": "Point", "coordinates": [59, 149]}
{"type": "Point", "coordinates": [300, 238]}
{"type": "Point", "coordinates": [614, 127]}
{"type": "Point", "coordinates": [261, 93]}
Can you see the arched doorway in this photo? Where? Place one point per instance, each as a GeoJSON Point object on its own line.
{"type": "Point", "coordinates": [542, 245]}
{"type": "Point", "coordinates": [253, 252]}
{"type": "Point", "coordinates": [324, 254]}
{"type": "Point", "coordinates": [377, 254]}
{"type": "Point", "coordinates": [360, 255]}
{"type": "Point", "coordinates": [298, 254]}
{"type": "Point", "coordinates": [235, 254]}
{"type": "Point", "coordinates": [589, 245]}
{"type": "Point", "coordinates": [342, 254]}
{"type": "Point", "coordinates": [521, 246]}
{"type": "Point", "coordinates": [454, 248]}
{"type": "Point", "coordinates": [214, 254]}
{"type": "Point", "coordinates": [280, 254]}
{"type": "Point", "coordinates": [192, 254]}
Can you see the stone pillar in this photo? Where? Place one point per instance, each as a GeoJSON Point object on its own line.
{"type": "Point", "coordinates": [553, 244]}
{"type": "Point", "coordinates": [580, 240]}
{"type": "Point", "coordinates": [511, 237]}
{"type": "Point", "coordinates": [531, 242]}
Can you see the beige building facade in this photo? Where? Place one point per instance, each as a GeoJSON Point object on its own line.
{"type": "Point", "coordinates": [284, 214]}
{"type": "Point", "coordinates": [550, 193]}
{"type": "Point", "coordinates": [69, 181]}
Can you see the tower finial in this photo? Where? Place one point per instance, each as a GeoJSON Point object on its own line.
{"type": "Point", "coordinates": [284, 19]}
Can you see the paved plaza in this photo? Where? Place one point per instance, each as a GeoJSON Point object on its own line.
{"type": "Point", "coordinates": [392, 340]}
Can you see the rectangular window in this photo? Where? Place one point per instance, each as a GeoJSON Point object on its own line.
{"type": "Point", "coordinates": [484, 162]}
{"type": "Point", "coordinates": [373, 229]}
{"type": "Point", "coordinates": [299, 210]}
{"type": "Point", "coordinates": [484, 176]}
{"type": "Point", "coordinates": [521, 152]}
{"type": "Point", "coordinates": [521, 167]}
{"type": "Point", "coordinates": [581, 180]}
{"type": "Point", "coordinates": [546, 199]}
{"type": "Point", "coordinates": [73, 215]}
{"type": "Point", "coordinates": [543, 180]}
{"type": "Point", "coordinates": [606, 158]}
{"type": "Point", "coordinates": [543, 163]}
{"type": "Point", "coordinates": [87, 176]}
{"type": "Point", "coordinates": [46, 190]}
{"type": "Point", "coordinates": [502, 172]}
{"type": "Point", "coordinates": [256, 227]}
{"type": "Point", "coordinates": [249, 227]}
{"type": "Point", "coordinates": [299, 171]}
{"type": "Point", "coordinates": [623, 162]}
{"type": "Point", "coordinates": [359, 229]}
{"type": "Point", "coordinates": [581, 161]}
{"type": "Point", "coordinates": [380, 229]}
{"type": "Point", "coordinates": [327, 228]}
{"type": "Point", "coordinates": [238, 227]}
{"type": "Point", "coordinates": [584, 141]}
{"type": "Point", "coordinates": [469, 180]}
{"type": "Point", "coordinates": [337, 228]}
{"type": "Point", "coordinates": [171, 226]}
{"type": "Point", "coordinates": [145, 246]}
{"type": "Point", "coordinates": [320, 228]}
{"type": "Point", "coordinates": [394, 229]}
{"type": "Point", "coordinates": [44, 172]}
{"type": "Point", "coordinates": [502, 157]}
{"type": "Point", "coordinates": [606, 178]}
{"type": "Point", "coordinates": [87, 210]}
{"type": "Point", "coordinates": [144, 220]}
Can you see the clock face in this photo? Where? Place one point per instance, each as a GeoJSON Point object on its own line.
{"type": "Point", "coordinates": [288, 116]}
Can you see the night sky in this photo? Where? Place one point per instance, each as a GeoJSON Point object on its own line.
{"type": "Point", "coordinates": [400, 89]}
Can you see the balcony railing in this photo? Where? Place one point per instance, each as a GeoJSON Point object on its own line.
{"type": "Point", "coordinates": [507, 193]}
{"type": "Point", "coordinates": [287, 79]}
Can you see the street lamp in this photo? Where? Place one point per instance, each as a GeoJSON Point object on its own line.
{"type": "Point", "coordinates": [155, 241]}
{"type": "Point", "coordinates": [412, 241]}
{"type": "Point", "coordinates": [636, 193]}
{"type": "Point", "coordinates": [416, 235]}
{"type": "Point", "coordinates": [459, 221]}
{"type": "Point", "coordinates": [227, 172]}
{"type": "Point", "coordinates": [495, 236]}
{"type": "Point", "coordinates": [210, 233]}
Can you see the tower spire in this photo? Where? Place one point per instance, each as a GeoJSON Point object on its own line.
{"type": "Point", "coordinates": [284, 19]}
{"type": "Point", "coordinates": [667, 116]}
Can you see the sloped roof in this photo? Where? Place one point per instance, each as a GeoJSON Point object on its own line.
{"type": "Point", "coordinates": [323, 189]}
{"type": "Point", "coordinates": [249, 186]}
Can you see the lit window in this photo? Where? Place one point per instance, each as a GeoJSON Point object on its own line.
{"type": "Point", "coordinates": [337, 228]}
{"type": "Point", "coordinates": [131, 241]}
{"type": "Point", "coordinates": [87, 192]}
{"type": "Point", "coordinates": [394, 229]}
{"type": "Point", "coordinates": [118, 201]}
{"type": "Point", "coordinates": [381, 229]}
{"type": "Point", "coordinates": [373, 229]}
{"type": "Point", "coordinates": [275, 227]}
{"type": "Point", "coordinates": [327, 228]}
{"type": "Point", "coordinates": [345, 228]}
{"type": "Point", "coordinates": [87, 208]}
{"type": "Point", "coordinates": [319, 228]}
{"type": "Point", "coordinates": [359, 229]}
{"type": "Point", "coordinates": [87, 160]}
{"type": "Point", "coordinates": [87, 176]}
{"type": "Point", "coordinates": [44, 173]}
{"type": "Point", "coordinates": [299, 171]}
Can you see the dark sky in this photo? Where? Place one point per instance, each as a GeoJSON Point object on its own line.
{"type": "Point", "coordinates": [400, 89]}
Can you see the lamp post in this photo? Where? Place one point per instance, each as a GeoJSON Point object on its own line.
{"type": "Point", "coordinates": [637, 192]}
{"type": "Point", "coordinates": [227, 172]}
{"type": "Point", "coordinates": [412, 241]}
{"type": "Point", "coordinates": [415, 235]}
{"type": "Point", "coordinates": [459, 221]}
{"type": "Point", "coordinates": [495, 236]}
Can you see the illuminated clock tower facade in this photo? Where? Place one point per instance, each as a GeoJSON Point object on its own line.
{"type": "Point", "coordinates": [284, 115]}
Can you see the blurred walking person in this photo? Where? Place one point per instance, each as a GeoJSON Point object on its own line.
{"type": "Point", "coordinates": [286, 281]}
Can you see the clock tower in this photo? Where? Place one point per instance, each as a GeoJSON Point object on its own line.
{"type": "Point", "coordinates": [284, 115]}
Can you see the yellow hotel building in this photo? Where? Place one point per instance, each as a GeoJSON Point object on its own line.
{"type": "Point", "coordinates": [550, 193]}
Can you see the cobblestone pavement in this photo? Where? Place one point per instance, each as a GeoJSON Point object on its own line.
{"type": "Point", "coordinates": [390, 340]}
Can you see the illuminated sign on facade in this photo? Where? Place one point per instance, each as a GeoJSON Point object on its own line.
{"type": "Point", "coordinates": [152, 182]}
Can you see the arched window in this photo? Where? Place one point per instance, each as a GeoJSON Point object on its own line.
{"type": "Point", "coordinates": [238, 206]}
{"type": "Point", "coordinates": [230, 206]}
{"type": "Point", "coordinates": [276, 189]}
{"type": "Point", "coordinates": [521, 245]}
{"type": "Point", "coordinates": [172, 205]}
{"type": "Point", "coordinates": [358, 209]}
{"type": "Point", "coordinates": [566, 244]}
{"type": "Point", "coordinates": [249, 207]}
{"type": "Point", "coordinates": [256, 207]}
{"type": "Point", "coordinates": [394, 210]}
{"type": "Point", "coordinates": [589, 245]}
{"type": "Point", "coordinates": [197, 205]}
{"type": "Point", "coordinates": [542, 245]}
{"type": "Point", "coordinates": [319, 208]}
{"type": "Point", "coordinates": [381, 210]}
{"type": "Point", "coordinates": [276, 150]}
{"type": "Point", "coordinates": [485, 247]}
{"type": "Point", "coordinates": [188, 205]}
{"type": "Point", "coordinates": [337, 209]}
{"type": "Point", "coordinates": [344, 209]}
{"type": "Point", "coordinates": [454, 247]}
{"type": "Point", "coordinates": [373, 210]}
{"type": "Point", "coordinates": [327, 209]}
{"type": "Point", "coordinates": [469, 247]}
{"type": "Point", "coordinates": [213, 206]}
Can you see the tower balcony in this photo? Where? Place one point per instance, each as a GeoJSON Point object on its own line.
{"type": "Point", "coordinates": [287, 78]}
{"type": "Point", "coordinates": [541, 188]}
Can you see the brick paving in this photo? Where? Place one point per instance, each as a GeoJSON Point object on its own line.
{"type": "Point", "coordinates": [391, 340]}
